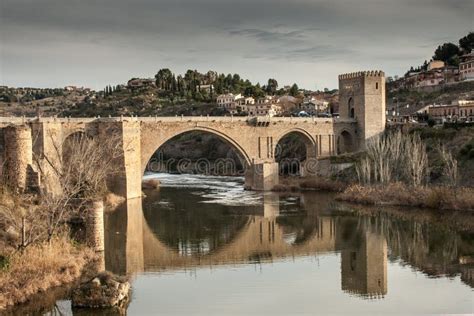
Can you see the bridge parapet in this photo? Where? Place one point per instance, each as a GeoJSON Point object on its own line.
{"type": "Point", "coordinates": [22, 120]}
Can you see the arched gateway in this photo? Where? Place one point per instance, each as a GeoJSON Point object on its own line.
{"type": "Point", "coordinates": [254, 139]}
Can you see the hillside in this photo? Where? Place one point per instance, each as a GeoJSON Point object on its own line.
{"type": "Point", "coordinates": [417, 99]}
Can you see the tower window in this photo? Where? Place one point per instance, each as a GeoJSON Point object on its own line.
{"type": "Point", "coordinates": [376, 85]}
{"type": "Point", "coordinates": [350, 107]}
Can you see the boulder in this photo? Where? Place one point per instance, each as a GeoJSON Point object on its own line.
{"type": "Point", "coordinates": [103, 291]}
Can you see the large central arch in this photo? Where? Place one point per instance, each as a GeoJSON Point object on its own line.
{"type": "Point", "coordinates": [151, 145]}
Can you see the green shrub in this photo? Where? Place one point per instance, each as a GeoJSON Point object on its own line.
{"type": "Point", "coordinates": [4, 263]}
{"type": "Point", "coordinates": [431, 122]}
{"type": "Point", "coordinates": [471, 154]}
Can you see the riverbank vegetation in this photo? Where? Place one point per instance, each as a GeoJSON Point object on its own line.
{"type": "Point", "coordinates": [294, 184]}
{"type": "Point", "coordinates": [40, 247]}
{"type": "Point", "coordinates": [437, 197]}
{"type": "Point", "coordinates": [424, 167]}
{"type": "Point", "coordinates": [411, 170]}
{"type": "Point", "coordinates": [41, 267]}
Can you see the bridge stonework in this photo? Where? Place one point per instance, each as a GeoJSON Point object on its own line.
{"type": "Point", "coordinates": [255, 139]}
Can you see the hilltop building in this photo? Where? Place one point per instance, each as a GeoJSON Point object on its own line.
{"type": "Point", "coordinates": [462, 110]}
{"type": "Point", "coordinates": [466, 66]}
{"type": "Point", "coordinates": [238, 104]}
{"type": "Point", "coordinates": [136, 83]}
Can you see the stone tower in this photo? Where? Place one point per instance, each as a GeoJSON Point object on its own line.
{"type": "Point", "coordinates": [362, 97]}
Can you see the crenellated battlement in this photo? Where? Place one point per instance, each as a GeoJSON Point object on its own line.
{"type": "Point", "coordinates": [359, 74]}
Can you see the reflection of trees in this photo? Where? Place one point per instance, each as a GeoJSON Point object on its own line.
{"type": "Point", "coordinates": [430, 247]}
{"type": "Point", "coordinates": [192, 230]}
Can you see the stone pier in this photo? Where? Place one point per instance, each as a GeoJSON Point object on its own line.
{"type": "Point", "coordinates": [18, 156]}
{"type": "Point", "coordinates": [95, 225]}
{"type": "Point", "coordinates": [262, 176]}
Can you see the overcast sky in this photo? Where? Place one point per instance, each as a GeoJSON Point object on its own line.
{"type": "Point", "coordinates": [53, 43]}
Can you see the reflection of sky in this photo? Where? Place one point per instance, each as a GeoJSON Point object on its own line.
{"type": "Point", "coordinates": [304, 285]}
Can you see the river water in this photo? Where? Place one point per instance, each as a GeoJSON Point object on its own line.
{"type": "Point", "coordinates": [202, 245]}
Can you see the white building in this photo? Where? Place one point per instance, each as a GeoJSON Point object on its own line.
{"type": "Point", "coordinates": [206, 88]}
{"type": "Point", "coordinates": [466, 67]}
{"type": "Point", "coordinates": [314, 106]}
{"type": "Point", "coordinates": [226, 101]}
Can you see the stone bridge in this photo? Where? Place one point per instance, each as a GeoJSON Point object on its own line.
{"type": "Point", "coordinates": [362, 116]}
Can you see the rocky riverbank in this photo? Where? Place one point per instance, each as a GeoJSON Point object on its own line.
{"type": "Point", "coordinates": [42, 267]}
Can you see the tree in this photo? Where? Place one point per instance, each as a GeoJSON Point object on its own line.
{"type": "Point", "coordinates": [294, 90]}
{"type": "Point", "coordinates": [446, 52]}
{"type": "Point", "coordinates": [73, 175]}
{"type": "Point", "coordinates": [467, 43]}
{"type": "Point", "coordinates": [235, 79]}
{"type": "Point", "coordinates": [425, 65]}
{"type": "Point", "coordinates": [272, 86]}
{"type": "Point", "coordinates": [164, 78]}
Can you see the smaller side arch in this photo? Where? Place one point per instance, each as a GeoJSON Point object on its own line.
{"type": "Point", "coordinates": [309, 141]}
{"type": "Point", "coordinates": [290, 154]}
{"type": "Point", "coordinates": [70, 140]}
{"type": "Point", "coordinates": [345, 142]}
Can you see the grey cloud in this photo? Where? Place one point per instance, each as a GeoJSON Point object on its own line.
{"type": "Point", "coordinates": [269, 36]}
{"type": "Point", "coordinates": [57, 42]}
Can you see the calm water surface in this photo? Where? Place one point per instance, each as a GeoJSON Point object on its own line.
{"type": "Point", "coordinates": [202, 245]}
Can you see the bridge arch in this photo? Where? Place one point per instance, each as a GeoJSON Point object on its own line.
{"type": "Point", "coordinates": [72, 139]}
{"type": "Point", "coordinates": [291, 163]}
{"type": "Point", "coordinates": [300, 131]}
{"type": "Point", "coordinates": [151, 144]}
{"type": "Point", "coordinates": [345, 142]}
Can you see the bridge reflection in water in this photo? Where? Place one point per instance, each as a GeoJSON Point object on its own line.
{"type": "Point", "coordinates": [163, 237]}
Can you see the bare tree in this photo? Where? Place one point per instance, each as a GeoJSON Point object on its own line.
{"type": "Point", "coordinates": [450, 166]}
{"type": "Point", "coordinates": [394, 157]}
{"type": "Point", "coordinates": [416, 160]}
{"type": "Point", "coordinates": [77, 170]}
{"type": "Point", "coordinates": [19, 219]}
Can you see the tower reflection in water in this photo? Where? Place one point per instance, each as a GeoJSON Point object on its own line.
{"type": "Point", "coordinates": [183, 233]}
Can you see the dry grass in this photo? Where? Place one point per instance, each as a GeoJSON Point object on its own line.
{"type": "Point", "coordinates": [41, 267]}
{"type": "Point", "coordinates": [285, 188]}
{"type": "Point", "coordinates": [443, 198]}
{"type": "Point", "coordinates": [112, 201]}
{"type": "Point", "coordinates": [294, 184]}
{"type": "Point", "coordinates": [322, 184]}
